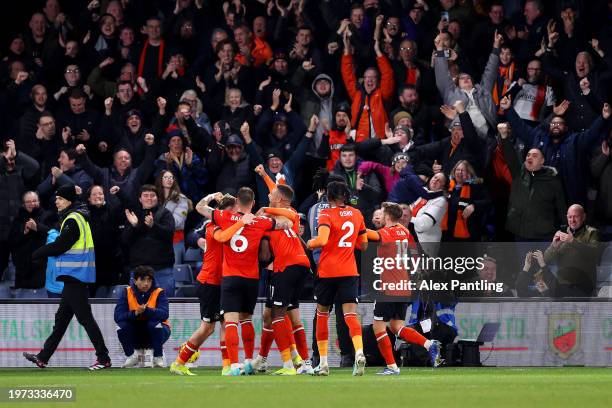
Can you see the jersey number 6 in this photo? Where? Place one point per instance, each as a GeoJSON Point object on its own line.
{"type": "Point", "coordinates": [239, 243]}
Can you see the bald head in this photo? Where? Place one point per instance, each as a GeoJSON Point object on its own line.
{"type": "Point", "coordinates": [575, 216]}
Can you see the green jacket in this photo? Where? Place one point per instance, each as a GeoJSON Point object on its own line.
{"type": "Point", "coordinates": [577, 260]}
{"type": "Point", "coordinates": [537, 203]}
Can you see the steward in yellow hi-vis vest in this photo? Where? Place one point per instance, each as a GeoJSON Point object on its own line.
{"type": "Point", "coordinates": [141, 315]}
{"type": "Point", "coordinates": [75, 262]}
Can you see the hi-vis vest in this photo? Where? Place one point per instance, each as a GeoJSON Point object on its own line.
{"type": "Point", "coordinates": [152, 302]}
{"type": "Point", "coordinates": [79, 261]}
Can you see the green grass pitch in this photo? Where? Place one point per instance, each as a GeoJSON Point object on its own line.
{"type": "Point", "coordinates": [415, 387]}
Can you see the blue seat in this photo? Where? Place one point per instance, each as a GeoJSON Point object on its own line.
{"type": "Point", "coordinates": [185, 291]}
{"type": "Point", "coordinates": [193, 255]}
{"type": "Point", "coordinates": [5, 290]}
{"type": "Point", "coordinates": [31, 293]}
{"type": "Point", "coordinates": [115, 291]}
{"type": "Point", "coordinates": [182, 274]}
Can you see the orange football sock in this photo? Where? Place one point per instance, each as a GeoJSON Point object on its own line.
{"type": "Point", "coordinates": [186, 353]}
{"type": "Point", "coordinates": [322, 332]}
{"type": "Point", "coordinates": [299, 334]}
{"type": "Point", "coordinates": [384, 345]}
{"type": "Point", "coordinates": [410, 335]}
{"type": "Point", "coordinates": [247, 332]}
{"type": "Point", "coordinates": [281, 335]}
{"type": "Point", "coordinates": [232, 341]}
{"type": "Point", "coordinates": [225, 361]}
{"type": "Point", "coordinates": [354, 330]}
{"type": "Point", "coordinates": [267, 337]}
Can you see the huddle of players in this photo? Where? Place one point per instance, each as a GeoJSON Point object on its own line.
{"type": "Point", "coordinates": [229, 282]}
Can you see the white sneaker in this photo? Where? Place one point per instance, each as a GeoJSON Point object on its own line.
{"type": "Point", "coordinates": [159, 362]}
{"type": "Point", "coordinates": [321, 370]}
{"type": "Point", "coordinates": [141, 357]}
{"type": "Point", "coordinates": [306, 368]}
{"type": "Point", "coordinates": [131, 361]}
{"type": "Point", "coordinates": [359, 366]}
{"type": "Point", "coordinates": [260, 364]}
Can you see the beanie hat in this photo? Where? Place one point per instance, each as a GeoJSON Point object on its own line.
{"type": "Point", "coordinates": [399, 156]}
{"type": "Point", "coordinates": [399, 116]}
{"type": "Point", "coordinates": [67, 192]}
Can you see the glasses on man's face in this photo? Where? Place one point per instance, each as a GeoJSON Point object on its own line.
{"type": "Point", "coordinates": [557, 124]}
{"type": "Point", "coordinates": [73, 71]}
{"type": "Point", "coordinates": [391, 25]}
{"type": "Point", "coordinates": [405, 48]}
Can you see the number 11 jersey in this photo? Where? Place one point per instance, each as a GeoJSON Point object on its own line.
{"type": "Point", "coordinates": [346, 225]}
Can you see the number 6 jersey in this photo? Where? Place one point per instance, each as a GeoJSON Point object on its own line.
{"type": "Point", "coordinates": [345, 225]}
{"type": "Point", "coordinates": [241, 253]}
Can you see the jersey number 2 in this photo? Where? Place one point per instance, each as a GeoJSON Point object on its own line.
{"type": "Point", "coordinates": [349, 227]}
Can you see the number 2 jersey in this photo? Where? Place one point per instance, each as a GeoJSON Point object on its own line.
{"type": "Point", "coordinates": [346, 226]}
{"type": "Point", "coordinates": [241, 253]}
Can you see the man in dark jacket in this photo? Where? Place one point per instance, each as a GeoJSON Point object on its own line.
{"type": "Point", "coordinates": [601, 170]}
{"type": "Point", "coordinates": [148, 236]}
{"type": "Point", "coordinates": [84, 126]}
{"type": "Point", "coordinates": [537, 205]}
{"type": "Point", "coordinates": [585, 88]}
{"type": "Point", "coordinates": [366, 191]}
{"type": "Point", "coordinates": [28, 233]}
{"type": "Point", "coordinates": [141, 315]}
{"type": "Point", "coordinates": [236, 167]}
{"type": "Point", "coordinates": [16, 169]}
{"type": "Point", "coordinates": [74, 249]}
{"type": "Point", "coordinates": [121, 174]}
{"type": "Point", "coordinates": [68, 172]}
{"type": "Point", "coordinates": [463, 144]}
{"type": "Point", "coordinates": [563, 150]}
{"type": "Point", "coordinates": [274, 166]}
{"type": "Point", "coordinates": [319, 101]}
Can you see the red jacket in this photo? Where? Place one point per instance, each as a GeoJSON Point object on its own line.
{"type": "Point", "coordinates": [375, 101]}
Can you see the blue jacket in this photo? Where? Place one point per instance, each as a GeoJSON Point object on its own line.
{"type": "Point", "coordinates": [409, 188]}
{"type": "Point", "coordinates": [445, 313]}
{"type": "Point", "coordinates": [51, 282]}
{"type": "Point", "coordinates": [191, 179]}
{"type": "Point", "coordinates": [569, 156]}
{"type": "Point", "coordinates": [157, 315]}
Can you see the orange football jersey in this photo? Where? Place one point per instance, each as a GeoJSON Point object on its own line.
{"type": "Point", "coordinates": [395, 242]}
{"type": "Point", "coordinates": [287, 247]}
{"type": "Point", "coordinates": [213, 258]}
{"type": "Point", "coordinates": [346, 225]}
{"type": "Point", "coordinates": [241, 253]}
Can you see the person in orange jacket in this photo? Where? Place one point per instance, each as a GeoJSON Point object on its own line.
{"type": "Point", "coordinates": [253, 50]}
{"type": "Point", "coordinates": [369, 115]}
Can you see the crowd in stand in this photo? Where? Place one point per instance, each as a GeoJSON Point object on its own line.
{"type": "Point", "coordinates": [487, 120]}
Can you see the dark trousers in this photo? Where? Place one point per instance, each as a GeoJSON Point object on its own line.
{"type": "Point", "coordinates": [75, 302]}
{"type": "Point", "coordinates": [344, 339]}
{"type": "Point", "coordinates": [143, 334]}
{"type": "Point", "coordinates": [4, 257]}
